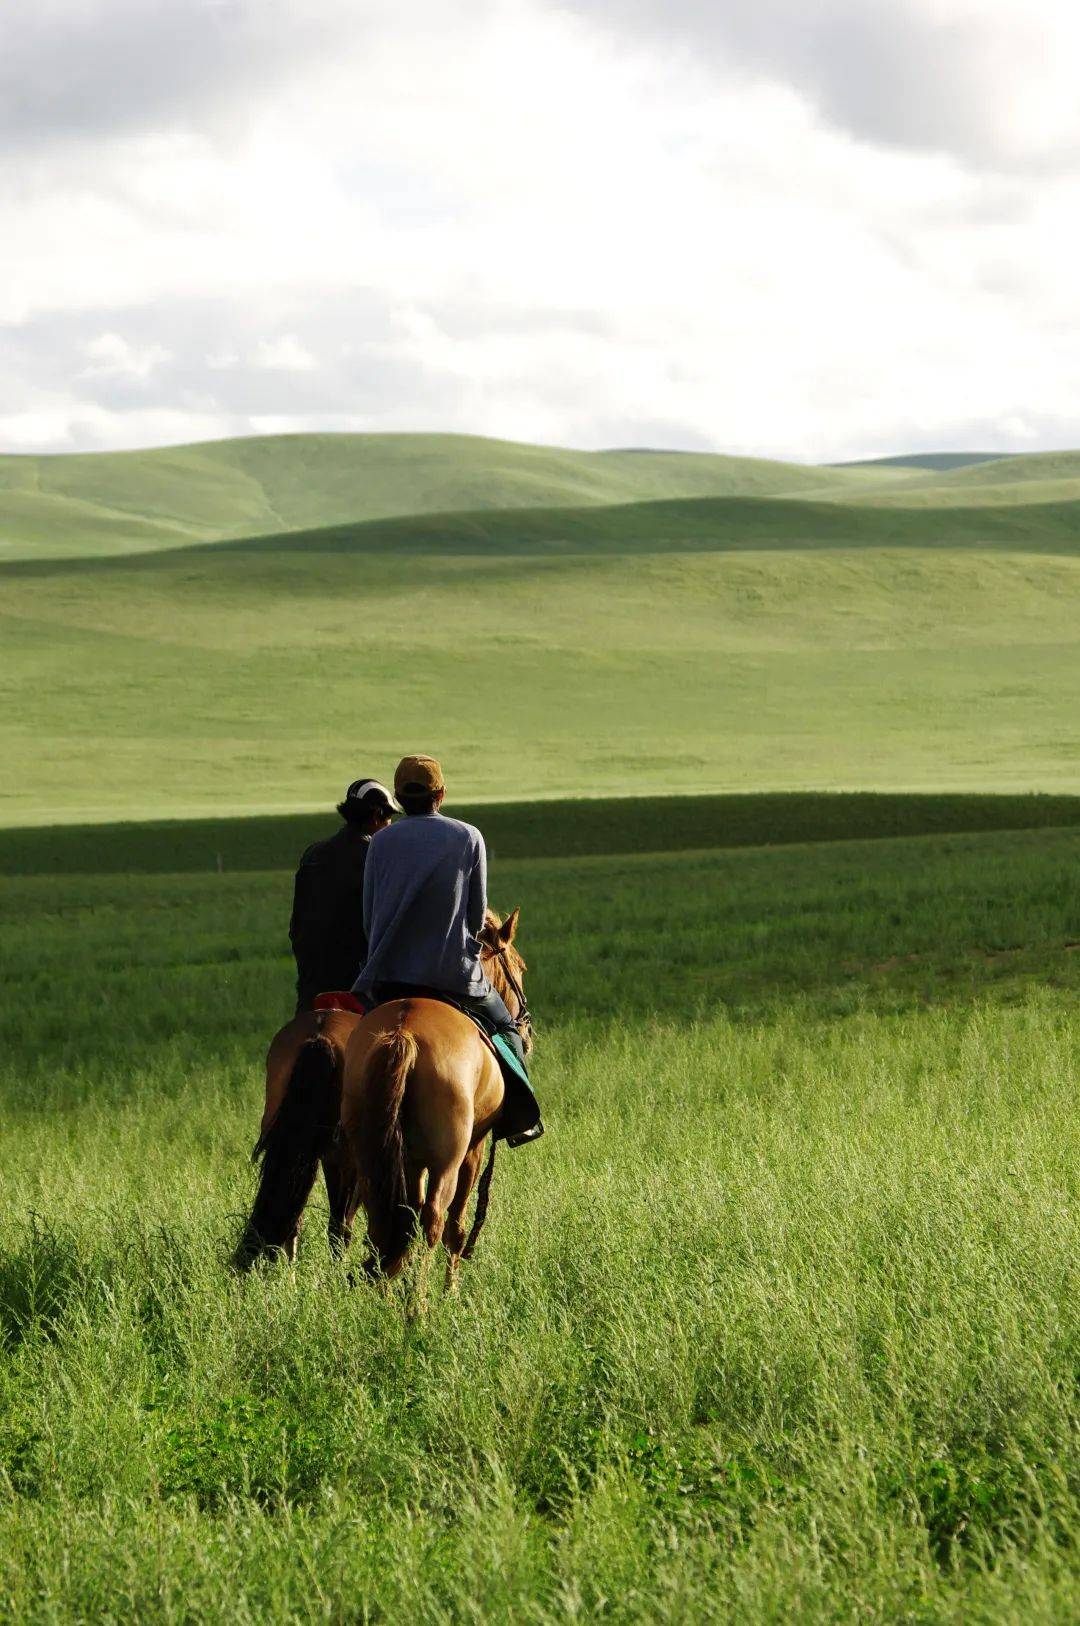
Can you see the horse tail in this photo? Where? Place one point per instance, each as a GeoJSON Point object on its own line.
{"type": "Point", "coordinates": [289, 1150]}
{"type": "Point", "coordinates": [381, 1148]}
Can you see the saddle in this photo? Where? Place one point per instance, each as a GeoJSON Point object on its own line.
{"type": "Point", "coordinates": [345, 1000]}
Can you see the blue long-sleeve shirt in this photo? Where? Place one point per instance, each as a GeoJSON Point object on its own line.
{"type": "Point", "coordinates": [425, 894]}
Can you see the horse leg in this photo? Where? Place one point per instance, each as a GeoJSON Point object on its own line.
{"type": "Point", "coordinates": [302, 1100]}
{"type": "Point", "coordinates": [389, 1242]}
{"type": "Point", "coordinates": [338, 1176]}
{"type": "Point", "coordinates": [454, 1233]}
{"type": "Point", "coordinates": [441, 1185]}
{"type": "Point", "coordinates": [385, 1259]}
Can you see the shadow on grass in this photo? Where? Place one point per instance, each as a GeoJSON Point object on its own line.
{"type": "Point", "coordinates": [556, 829]}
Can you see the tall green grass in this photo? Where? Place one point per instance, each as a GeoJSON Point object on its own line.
{"type": "Point", "coordinates": [780, 1319]}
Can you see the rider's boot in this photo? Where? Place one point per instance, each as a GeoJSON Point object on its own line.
{"type": "Point", "coordinates": [522, 1110]}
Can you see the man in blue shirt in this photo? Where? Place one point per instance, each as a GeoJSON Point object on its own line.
{"type": "Point", "coordinates": [425, 898]}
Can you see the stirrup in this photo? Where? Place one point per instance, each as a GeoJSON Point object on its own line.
{"type": "Point", "coordinates": [523, 1135]}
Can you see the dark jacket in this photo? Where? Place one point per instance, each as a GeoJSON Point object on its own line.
{"type": "Point", "coordinates": [327, 925]}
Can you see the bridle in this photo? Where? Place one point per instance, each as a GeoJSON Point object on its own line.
{"type": "Point", "coordinates": [523, 1018]}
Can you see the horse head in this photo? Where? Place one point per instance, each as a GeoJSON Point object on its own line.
{"type": "Point", "coordinates": [506, 969]}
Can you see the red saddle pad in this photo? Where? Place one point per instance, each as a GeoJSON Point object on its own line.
{"type": "Point", "coordinates": [340, 1000]}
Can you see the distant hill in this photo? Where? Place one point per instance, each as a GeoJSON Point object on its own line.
{"type": "Point", "coordinates": [123, 502]}
{"type": "Point", "coordinates": [937, 461]}
{"type": "Point", "coordinates": [1034, 477]}
{"type": "Point", "coordinates": [247, 625]}
{"type": "Point", "coordinates": [685, 525]}
{"type": "Point", "coordinates": [118, 503]}
{"type": "Point", "coordinates": [720, 643]}
{"type": "Point", "coordinates": [1028, 467]}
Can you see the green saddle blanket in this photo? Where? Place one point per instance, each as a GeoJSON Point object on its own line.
{"type": "Point", "coordinates": [510, 1065]}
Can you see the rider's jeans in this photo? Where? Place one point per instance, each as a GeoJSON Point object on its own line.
{"type": "Point", "coordinates": [492, 1007]}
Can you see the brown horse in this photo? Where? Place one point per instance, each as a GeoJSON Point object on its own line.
{"type": "Point", "coordinates": [421, 1091]}
{"type": "Point", "coordinates": [299, 1130]}
{"type": "Point", "coordinates": [305, 1070]}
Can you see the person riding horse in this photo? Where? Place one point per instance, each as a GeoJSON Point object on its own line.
{"type": "Point", "coordinates": [424, 907]}
{"type": "Point", "coordinates": [327, 925]}
{"type": "Point", "coordinates": [395, 1092]}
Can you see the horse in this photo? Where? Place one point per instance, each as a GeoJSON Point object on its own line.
{"type": "Point", "coordinates": [299, 1131]}
{"type": "Point", "coordinates": [421, 1092]}
{"type": "Point", "coordinates": [305, 1076]}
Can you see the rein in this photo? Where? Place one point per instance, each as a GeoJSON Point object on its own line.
{"type": "Point", "coordinates": [523, 1019]}
{"type": "Point", "coordinates": [483, 1197]}
{"type": "Point", "coordinates": [523, 1023]}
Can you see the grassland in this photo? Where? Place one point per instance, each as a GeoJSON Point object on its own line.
{"type": "Point", "coordinates": [921, 460]}
{"type": "Point", "coordinates": [749, 626]}
{"type": "Point", "coordinates": [779, 1320]}
{"type": "Point", "coordinates": [244, 678]}
{"type": "Point", "coordinates": [579, 828]}
{"type": "Point", "coordinates": [113, 504]}
{"type": "Point", "coordinates": [122, 502]}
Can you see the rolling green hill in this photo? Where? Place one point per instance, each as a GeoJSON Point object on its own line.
{"type": "Point", "coordinates": [120, 502]}
{"type": "Point", "coordinates": [1001, 471]}
{"type": "Point", "coordinates": [706, 524]}
{"type": "Point", "coordinates": [821, 1361]}
{"type": "Point", "coordinates": [1036, 477]}
{"type": "Point", "coordinates": [922, 460]}
{"type": "Point", "coordinates": [672, 648]}
{"type": "Point", "coordinates": [188, 636]}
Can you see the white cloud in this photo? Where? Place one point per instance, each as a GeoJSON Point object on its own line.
{"type": "Point", "coordinates": [67, 424]}
{"type": "Point", "coordinates": [285, 354]}
{"type": "Point", "coordinates": [577, 223]}
{"type": "Point", "coordinates": [993, 81]}
{"type": "Point", "coordinates": [111, 356]}
{"type": "Point", "coordinates": [78, 68]}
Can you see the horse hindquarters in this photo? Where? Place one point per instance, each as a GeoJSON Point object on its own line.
{"type": "Point", "coordinates": [419, 1089]}
{"type": "Point", "coordinates": [410, 1081]}
{"type": "Point", "coordinates": [290, 1147]}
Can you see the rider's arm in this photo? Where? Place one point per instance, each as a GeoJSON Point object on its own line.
{"type": "Point", "coordinates": [297, 908]}
{"type": "Point", "coordinates": [305, 926]}
{"type": "Point", "coordinates": [477, 904]}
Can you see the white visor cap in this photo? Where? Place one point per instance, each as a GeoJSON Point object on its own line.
{"type": "Point", "coordinates": [361, 789]}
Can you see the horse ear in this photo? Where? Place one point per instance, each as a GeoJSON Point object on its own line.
{"type": "Point", "coordinates": [509, 927]}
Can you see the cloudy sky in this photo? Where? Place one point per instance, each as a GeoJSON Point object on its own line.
{"type": "Point", "coordinates": [804, 228]}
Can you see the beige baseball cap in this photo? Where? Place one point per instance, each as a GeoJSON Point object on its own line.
{"type": "Point", "coordinates": [418, 775]}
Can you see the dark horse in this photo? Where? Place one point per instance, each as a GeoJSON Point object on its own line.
{"type": "Point", "coordinates": [299, 1131]}
{"type": "Point", "coordinates": [396, 1105]}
